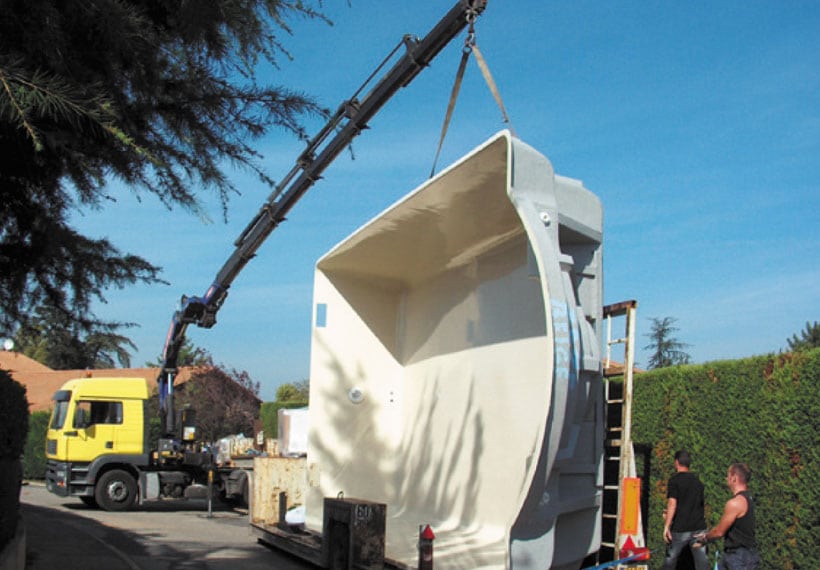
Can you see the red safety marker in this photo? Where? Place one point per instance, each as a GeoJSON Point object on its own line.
{"type": "Point", "coordinates": [640, 553]}
{"type": "Point", "coordinates": [426, 538]}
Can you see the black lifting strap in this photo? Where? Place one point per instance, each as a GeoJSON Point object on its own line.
{"type": "Point", "coordinates": [470, 46]}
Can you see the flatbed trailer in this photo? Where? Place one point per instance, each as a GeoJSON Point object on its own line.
{"type": "Point", "coordinates": [304, 544]}
{"type": "Point", "coordinates": [279, 484]}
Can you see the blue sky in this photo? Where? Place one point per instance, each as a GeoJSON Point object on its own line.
{"type": "Point", "coordinates": [696, 123]}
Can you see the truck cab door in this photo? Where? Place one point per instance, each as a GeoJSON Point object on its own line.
{"type": "Point", "coordinates": [74, 436]}
{"type": "Point", "coordinates": [95, 430]}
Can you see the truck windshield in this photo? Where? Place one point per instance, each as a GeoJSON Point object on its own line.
{"type": "Point", "coordinates": [59, 415]}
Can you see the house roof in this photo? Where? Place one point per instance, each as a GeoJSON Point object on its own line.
{"type": "Point", "coordinates": [41, 381]}
{"type": "Point", "coordinates": [16, 362]}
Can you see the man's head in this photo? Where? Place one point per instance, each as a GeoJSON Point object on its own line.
{"type": "Point", "coordinates": [738, 475]}
{"type": "Point", "coordinates": [683, 460]}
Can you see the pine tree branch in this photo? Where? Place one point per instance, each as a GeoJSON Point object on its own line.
{"type": "Point", "coordinates": [49, 96]}
{"type": "Point", "coordinates": [19, 112]}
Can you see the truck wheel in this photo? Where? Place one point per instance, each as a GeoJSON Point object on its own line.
{"type": "Point", "coordinates": [116, 490]}
{"type": "Point", "coordinates": [239, 486]}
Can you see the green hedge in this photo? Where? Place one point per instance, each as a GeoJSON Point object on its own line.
{"type": "Point", "coordinates": [269, 414]}
{"type": "Point", "coordinates": [761, 410]}
{"type": "Point", "coordinates": [34, 454]}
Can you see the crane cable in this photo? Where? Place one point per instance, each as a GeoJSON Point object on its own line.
{"type": "Point", "coordinates": [470, 46]}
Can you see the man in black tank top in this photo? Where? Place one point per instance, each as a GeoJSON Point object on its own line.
{"type": "Point", "coordinates": [737, 524]}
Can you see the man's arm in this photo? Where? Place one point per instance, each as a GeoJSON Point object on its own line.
{"type": "Point", "coordinates": [671, 506]}
{"type": "Point", "coordinates": [735, 508]}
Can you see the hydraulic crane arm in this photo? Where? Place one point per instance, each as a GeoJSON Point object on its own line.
{"type": "Point", "coordinates": [349, 120]}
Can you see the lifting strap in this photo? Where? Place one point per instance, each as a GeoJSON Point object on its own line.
{"type": "Point", "coordinates": [470, 46]}
{"type": "Point", "coordinates": [488, 78]}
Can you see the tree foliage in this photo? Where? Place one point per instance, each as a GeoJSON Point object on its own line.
{"type": "Point", "coordinates": [294, 392]}
{"type": "Point", "coordinates": [159, 95]}
{"type": "Point", "coordinates": [13, 416]}
{"type": "Point", "coordinates": [809, 338]}
{"type": "Point", "coordinates": [189, 355]}
{"type": "Point", "coordinates": [52, 337]}
{"type": "Point", "coordinates": [226, 401]}
{"type": "Point", "coordinates": [666, 349]}
{"type": "Point", "coordinates": [14, 425]}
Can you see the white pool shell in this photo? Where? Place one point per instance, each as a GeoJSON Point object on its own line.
{"type": "Point", "coordinates": [455, 365]}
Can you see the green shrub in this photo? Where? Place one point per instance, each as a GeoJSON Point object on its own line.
{"type": "Point", "coordinates": [34, 454]}
{"type": "Point", "coordinates": [13, 416]}
{"type": "Point", "coordinates": [154, 431]}
{"type": "Point", "coordinates": [269, 414]}
{"type": "Point", "coordinates": [761, 410]}
{"type": "Point", "coordinates": [13, 430]}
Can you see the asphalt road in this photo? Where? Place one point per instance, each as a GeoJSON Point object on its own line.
{"type": "Point", "coordinates": [65, 534]}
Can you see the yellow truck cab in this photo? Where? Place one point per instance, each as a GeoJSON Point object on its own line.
{"type": "Point", "coordinates": [98, 448]}
{"type": "Point", "coordinates": [97, 440]}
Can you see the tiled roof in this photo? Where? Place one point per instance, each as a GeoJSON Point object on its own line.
{"type": "Point", "coordinates": [16, 362]}
{"type": "Point", "coordinates": [41, 381]}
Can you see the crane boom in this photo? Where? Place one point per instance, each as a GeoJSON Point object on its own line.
{"type": "Point", "coordinates": [344, 125]}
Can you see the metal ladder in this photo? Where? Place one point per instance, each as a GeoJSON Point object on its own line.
{"type": "Point", "coordinates": [619, 458]}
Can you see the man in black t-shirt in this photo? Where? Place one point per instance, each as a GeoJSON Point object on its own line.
{"type": "Point", "coordinates": [684, 514]}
